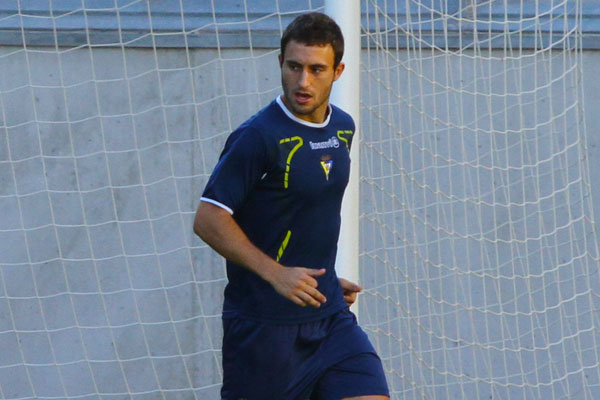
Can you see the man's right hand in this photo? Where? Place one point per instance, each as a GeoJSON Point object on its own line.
{"type": "Point", "coordinates": [299, 285]}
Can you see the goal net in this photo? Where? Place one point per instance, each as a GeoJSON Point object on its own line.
{"type": "Point", "coordinates": [478, 249]}
{"type": "Point", "coordinates": [112, 116]}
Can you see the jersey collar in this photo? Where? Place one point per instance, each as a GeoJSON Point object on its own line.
{"type": "Point", "coordinates": [301, 121]}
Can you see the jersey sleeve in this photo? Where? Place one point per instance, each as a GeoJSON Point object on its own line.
{"type": "Point", "coordinates": [241, 165]}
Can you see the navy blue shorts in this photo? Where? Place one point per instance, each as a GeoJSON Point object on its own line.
{"type": "Point", "coordinates": [327, 359]}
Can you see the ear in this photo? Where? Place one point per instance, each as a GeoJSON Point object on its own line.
{"type": "Point", "coordinates": [338, 71]}
{"type": "Point", "coordinates": [280, 57]}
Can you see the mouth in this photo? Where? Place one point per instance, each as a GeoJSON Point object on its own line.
{"type": "Point", "coordinates": [302, 98]}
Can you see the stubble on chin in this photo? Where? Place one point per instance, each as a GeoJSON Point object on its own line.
{"type": "Point", "coordinates": [309, 109]}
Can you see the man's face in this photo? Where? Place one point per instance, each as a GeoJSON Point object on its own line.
{"type": "Point", "coordinates": [307, 75]}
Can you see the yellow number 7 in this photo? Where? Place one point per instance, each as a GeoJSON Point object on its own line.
{"type": "Point", "coordinates": [290, 155]}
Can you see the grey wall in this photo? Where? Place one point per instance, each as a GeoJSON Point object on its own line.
{"type": "Point", "coordinates": [103, 156]}
{"type": "Point", "coordinates": [103, 286]}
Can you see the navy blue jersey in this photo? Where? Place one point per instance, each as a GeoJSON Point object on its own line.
{"type": "Point", "coordinates": [283, 179]}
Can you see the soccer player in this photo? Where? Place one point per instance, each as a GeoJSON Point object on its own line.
{"type": "Point", "coordinates": [272, 209]}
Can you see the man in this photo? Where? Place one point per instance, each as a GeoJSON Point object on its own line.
{"type": "Point", "coordinates": [272, 209]}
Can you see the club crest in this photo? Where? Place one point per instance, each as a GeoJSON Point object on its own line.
{"type": "Point", "coordinates": [326, 164]}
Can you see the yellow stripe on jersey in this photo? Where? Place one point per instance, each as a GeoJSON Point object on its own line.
{"type": "Point", "coordinates": [289, 158]}
{"type": "Point", "coordinates": [341, 134]}
{"type": "Point", "coordinates": [284, 245]}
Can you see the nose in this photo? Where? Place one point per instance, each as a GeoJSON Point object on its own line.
{"type": "Point", "coordinates": [304, 78]}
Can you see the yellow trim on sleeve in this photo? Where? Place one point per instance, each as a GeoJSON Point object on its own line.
{"type": "Point", "coordinates": [343, 139]}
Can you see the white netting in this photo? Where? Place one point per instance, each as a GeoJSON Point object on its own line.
{"type": "Point", "coordinates": [112, 115]}
{"type": "Point", "coordinates": [478, 246]}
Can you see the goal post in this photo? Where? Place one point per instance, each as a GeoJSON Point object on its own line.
{"type": "Point", "coordinates": [346, 95]}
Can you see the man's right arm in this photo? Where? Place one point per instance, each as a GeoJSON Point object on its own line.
{"type": "Point", "coordinates": [220, 231]}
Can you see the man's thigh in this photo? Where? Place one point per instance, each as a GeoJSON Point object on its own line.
{"type": "Point", "coordinates": [357, 377]}
{"type": "Point", "coordinates": [256, 360]}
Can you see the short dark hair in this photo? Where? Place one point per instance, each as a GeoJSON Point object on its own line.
{"type": "Point", "coordinates": [315, 29]}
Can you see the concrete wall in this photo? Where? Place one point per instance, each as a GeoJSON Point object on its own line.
{"type": "Point", "coordinates": [103, 156]}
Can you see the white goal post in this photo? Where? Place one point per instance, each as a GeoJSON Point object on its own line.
{"type": "Point", "coordinates": [472, 205]}
{"type": "Point", "coordinates": [346, 94]}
